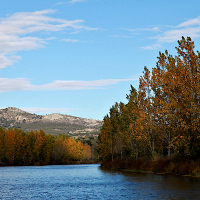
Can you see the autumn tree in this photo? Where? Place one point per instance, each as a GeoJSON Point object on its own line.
{"type": "Point", "coordinates": [2, 144]}
{"type": "Point", "coordinates": [163, 116]}
{"type": "Point", "coordinates": [130, 115]}
{"type": "Point", "coordinates": [10, 143]}
{"type": "Point", "coordinates": [105, 147]}
{"type": "Point", "coordinates": [116, 142]}
{"type": "Point", "coordinates": [176, 83]}
{"type": "Point", "coordinates": [188, 84]}
{"type": "Point", "coordinates": [58, 150]}
{"type": "Point", "coordinates": [30, 147]}
{"type": "Point", "coordinates": [20, 147]}
{"type": "Point", "coordinates": [147, 116]}
{"type": "Point", "coordinates": [87, 152]}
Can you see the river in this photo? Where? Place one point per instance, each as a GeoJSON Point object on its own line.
{"type": "Point", "coordinates": [92, 182]}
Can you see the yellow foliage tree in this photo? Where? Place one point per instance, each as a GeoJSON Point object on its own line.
{"type": "Point", "coordinates": [87, 152]}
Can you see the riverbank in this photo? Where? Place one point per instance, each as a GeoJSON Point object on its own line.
{"type": "Point", "coordinates": [160, 166]}
{"type": "Point", "coordinates": [3, 164]}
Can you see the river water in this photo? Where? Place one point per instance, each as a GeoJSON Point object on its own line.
{"type": "Point", "coordinates": [92, 182]}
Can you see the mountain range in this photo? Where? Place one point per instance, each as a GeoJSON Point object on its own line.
{"type": "Point", "coordinates": [52, 123]}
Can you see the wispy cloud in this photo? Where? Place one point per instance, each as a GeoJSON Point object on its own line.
{"type": "Point", "coordinates": [176, 34]}
{"type": "Point", "coordinates": [47, 110]}
{"type": "Point", "coordinates": [60, 3]}
{"type": "Point", "coordinates": [156, 29]}
{"type": "Point", "coordinates": [69, 2]}
{"type": "Point", "coordinates": [130, 33]}
{"type": "Point", "coordinates": [152, 47]}
{"type": "Point", "coordinates": [22, 84]}
{"type": "Point", "coordinates": [191, 22]}
{"type": "Point", "coordinates": [122, 36]}
{"type": "Point", "coordinates": [70, 40]}
{"type": "Point", "coordinates": [14, 28]}
{"type": "Point", "coordinates": [75, 1]}
{"type": "Point", "coordinates": [189, 28]}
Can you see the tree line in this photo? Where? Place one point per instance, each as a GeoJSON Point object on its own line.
{"type": "Point", "coordinates": [162, 117]}
{"type": "Point", "coordinates": [37, 148]}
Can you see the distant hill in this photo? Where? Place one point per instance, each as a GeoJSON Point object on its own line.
{"type": "Point", "coordinates": [52, 123]}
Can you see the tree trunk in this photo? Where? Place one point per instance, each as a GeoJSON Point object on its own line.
{"type": "Point", "coordinates": [169, 152]}
{"type": "Point", "coordinates": [136, 150]}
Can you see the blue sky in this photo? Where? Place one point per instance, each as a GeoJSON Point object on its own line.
{"type": "Point", "coordinates": [79, 57]}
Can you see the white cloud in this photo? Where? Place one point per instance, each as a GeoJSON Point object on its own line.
{"type": "Point", "coordinates": [176, 34]}
{"type": "Point", "coordinates": [122, 36]}
{"type": "Point", "coordinates": [69, 40]}
{"type": "Point", "coordinates": [189, 28]}
{"type": "Point", "coordinates": [15, 84]}
{"type": "Point", "coordinates": [6, 61]}
{"type": "Point", "coordinates": [14, 28]}
{"type": "Point", "coordinates": [71, 2]}
{"type": "Point", "coordinates": [22, 84]}
{"type": "Point", "coordinates": [151, 47]}
{"type": "Point", "coordinates": [191, 22]}
{"type": "Point", "coordinates": [130, 33]}
{"type": "Point", "coordinates": [83, 85]}
{"type": "Point", "coordinates": [47, 110]}
{"type": "Point", "coordinates": [156, 29]}
{"type": "Point", "coordinates": [75, 1]}
{"type": "Point", "coordinates": [60, 3]}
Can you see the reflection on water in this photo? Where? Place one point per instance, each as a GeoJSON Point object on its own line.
{"type": "Point", "coordinates": [151, 186]}
{"type": "Point", "coordinates": [92, 182]}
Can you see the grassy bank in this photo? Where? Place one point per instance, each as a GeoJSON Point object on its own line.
{"type": "Point", "coordinates": [160, 166]}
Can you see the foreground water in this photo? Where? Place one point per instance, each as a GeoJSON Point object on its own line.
{"type": "Point", "coordinates": [92, 182]}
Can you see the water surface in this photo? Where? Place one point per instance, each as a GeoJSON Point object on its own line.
{"type": "Point", "coordinates": [92, 182]}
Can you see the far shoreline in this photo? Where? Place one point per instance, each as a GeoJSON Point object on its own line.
{"type": "Point", "coordinates": [3, 164]}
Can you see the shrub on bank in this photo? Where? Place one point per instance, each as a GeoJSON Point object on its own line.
{"type": "Point", "coordinates": [162, 165]}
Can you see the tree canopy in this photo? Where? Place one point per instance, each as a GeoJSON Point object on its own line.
{"type": "Point", "coordinates": [163, 116]}
{"type": "Point", "coordinates": [20, 148]}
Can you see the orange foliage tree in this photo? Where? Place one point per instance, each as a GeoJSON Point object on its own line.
{"type": "Point", "coordinates": [20, 148]}
{"type": "Point", "coordinates": [163, 117]}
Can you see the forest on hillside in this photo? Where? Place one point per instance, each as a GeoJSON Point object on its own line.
{"type": "Point", "coordinates": [162, 118]}
{"type": "Point", "coordinates": [37, 148]}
